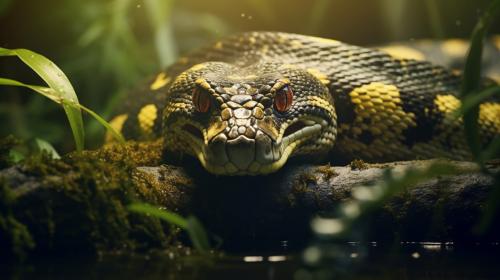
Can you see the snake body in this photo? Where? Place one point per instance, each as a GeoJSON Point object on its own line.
{"type": "Point", "coordinates": [247, 103]}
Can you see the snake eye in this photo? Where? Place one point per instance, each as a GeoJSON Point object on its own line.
{"type": "Point", "coordinates": [283, 99]}
{"type": "Point", "coordinates": [201, 100]}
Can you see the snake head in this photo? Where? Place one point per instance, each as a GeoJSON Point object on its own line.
{"type": "Point", "coordinates": [247, 120]}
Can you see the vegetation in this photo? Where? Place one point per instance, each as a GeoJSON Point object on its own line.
{"type": "Point", "coordinates": [110, 36]}
{"type": "Point", "coordinates": [367, 198]}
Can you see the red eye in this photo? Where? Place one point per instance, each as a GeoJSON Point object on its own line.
{"type": "Point", "coordinates": [201, 100]}
{"type": "Point", "coordinates": [283, 99]}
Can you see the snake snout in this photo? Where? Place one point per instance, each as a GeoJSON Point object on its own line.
{"type": "Point", "coordinates": [241, 154]}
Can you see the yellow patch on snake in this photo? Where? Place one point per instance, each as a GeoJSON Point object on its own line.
{"type": "Point", "coordinates": [146, 117]}
{"type": "Point", "coordinates": [160, 81]}
{"type": "Point", "coordinates": [320, 102]}
{"type": "Point", "coordinates": [197, 67]}
{"type": "Point", "coordinates": [489, 117]}
{"type": "Point", "coordinates": [455, 47]}
{"type": "Point", "coordinates": [447, 103]}
{"type": "Point", "coordinates": [117, 124]}
{"type": "Point", "coordinates": [403, 52]}
{"type": "Point", "coordinates": [378, 111]}
{"type": "Point", "coordinates": [319, 75]}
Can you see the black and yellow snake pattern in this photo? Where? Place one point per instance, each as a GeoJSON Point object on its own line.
{"type": "Point", "coordinates": [247, 103]}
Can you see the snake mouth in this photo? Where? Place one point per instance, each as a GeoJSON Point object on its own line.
{"type": "Point", "coordinates": [193, 131]}
{"type": "Point", "coordinates": [261, 154]}
{"type": "Point", "coordinates": [294, 127]}
{"type": "Point", "coordinates": [243, 155]}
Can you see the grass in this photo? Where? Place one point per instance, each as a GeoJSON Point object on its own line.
{"type": "Point", "coordinates": [471, 84]}
{"type": "Point", "coordinates": [59, 87]}
{"type": "Point", "coordinates": [59, 90]}
{"type": "Point", "coordinates": [191, 225]}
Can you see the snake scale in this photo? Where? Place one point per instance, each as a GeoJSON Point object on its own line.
{"type": "Point", "coordinates": [247, 103]}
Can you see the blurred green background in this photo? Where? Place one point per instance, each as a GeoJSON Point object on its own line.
{"type": "Point", "coordinates": [106, 47]}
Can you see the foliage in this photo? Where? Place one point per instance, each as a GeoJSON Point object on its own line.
{"type": "Point", "coordinates": [60, 91]}
{"type": "Point", "coordinates": [59, 87]}
{"type": "Point", "coordinates": [367, 198]}
{"type": "Point", "coordinates": [190, 224]}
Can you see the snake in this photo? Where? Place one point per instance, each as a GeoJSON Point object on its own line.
{"type": "Point", "coordinates": [247, 103]}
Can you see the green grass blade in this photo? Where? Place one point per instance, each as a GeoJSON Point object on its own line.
{"type": "Point", "coordinates": [51, 94]}
{"type": "Point", "coordinates": [471, 81]}
{"type": "Point", "coordinates": [159, 12]}
{"type": "Point", "coordinates": [170, 217]}
{"type": "Point", "coordinates": [56, 80]}
{"type": "Point", "coordinates": [491, 151]}
{"type": "Point", "coordinates": [195, 230]}
{"type": "Point", "coordinates": [474, 100]}
{"type": "Point", "coordinates": [197, 234]}
{"type": "Point", "coordinates": [118, 136]}
{"type": "Point", "coordinates": [44, 146]}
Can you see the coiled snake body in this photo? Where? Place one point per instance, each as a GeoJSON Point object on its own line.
{"type": "Point", "coordinates": [247, 103]}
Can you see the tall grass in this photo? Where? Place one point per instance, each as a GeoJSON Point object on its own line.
{"type": "Point", "coordinates": [59, 90]}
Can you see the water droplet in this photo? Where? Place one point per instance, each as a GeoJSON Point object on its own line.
{"type": "Point", "coordinates": [415, 255]}
{"type": "Point", "coordinates": [242, 15]}
{"type": "Point", "coordinates": [458, 22]}
{"type": "Point", "coordinates": [138, 6]}
{"type": "Point", "coordinates": [249, 17]}
{"type": "Point", "coordinates": [32, 56]}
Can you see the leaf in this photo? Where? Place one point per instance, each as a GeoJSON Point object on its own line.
{"type": "Point", "coordinates": [491, 151]}
{"type": "Point", "coordinates": [159, 13]}
{"type": "Point", "coordinates": [471, 80]}
{"type": "Point", "coordinates": [195, 230]}
{"type": "Point", "coordinates": [44, 146]}
{"type": "Point", "coordinates": [56, 80]}
{"type": "Point", "coordinates": [51, 94]}
{"type": "Point", "coordinates": [475, 99]}
{"type": "Point", "coordinates": [16, 156]}
{"type": "Point", "coordinates": [197, 234]}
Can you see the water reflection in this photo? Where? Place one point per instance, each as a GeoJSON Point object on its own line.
{"type": "Point", "coordinates": [321, 260]}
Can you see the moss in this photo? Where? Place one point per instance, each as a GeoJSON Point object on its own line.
{"type": "Point", "coordinates": [79, 202]}
{"type": "Point", "coordinates": [358, 164]}
{"type": "Point", "coordinates": [300, 185]}
{"type": "Point", "coordinates": [13, 234]}
{"type": "Point", "coordinates": [327, 171]}
{"type": "Point", "coordinates": [6, 145]}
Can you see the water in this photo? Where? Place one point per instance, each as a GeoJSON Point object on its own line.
{"type": "Point", "coordinates": [363, 261]}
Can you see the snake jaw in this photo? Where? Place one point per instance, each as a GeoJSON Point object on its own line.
{"type": "Point", "coordinates": [261, 155]}
{"type": "Point", "coordinates": [247, 131]}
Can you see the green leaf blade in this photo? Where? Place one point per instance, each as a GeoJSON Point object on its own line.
{"type": "Point", "coordinates": [191, 225]}
{"type": "Point", "coordinates": [56, 80]}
